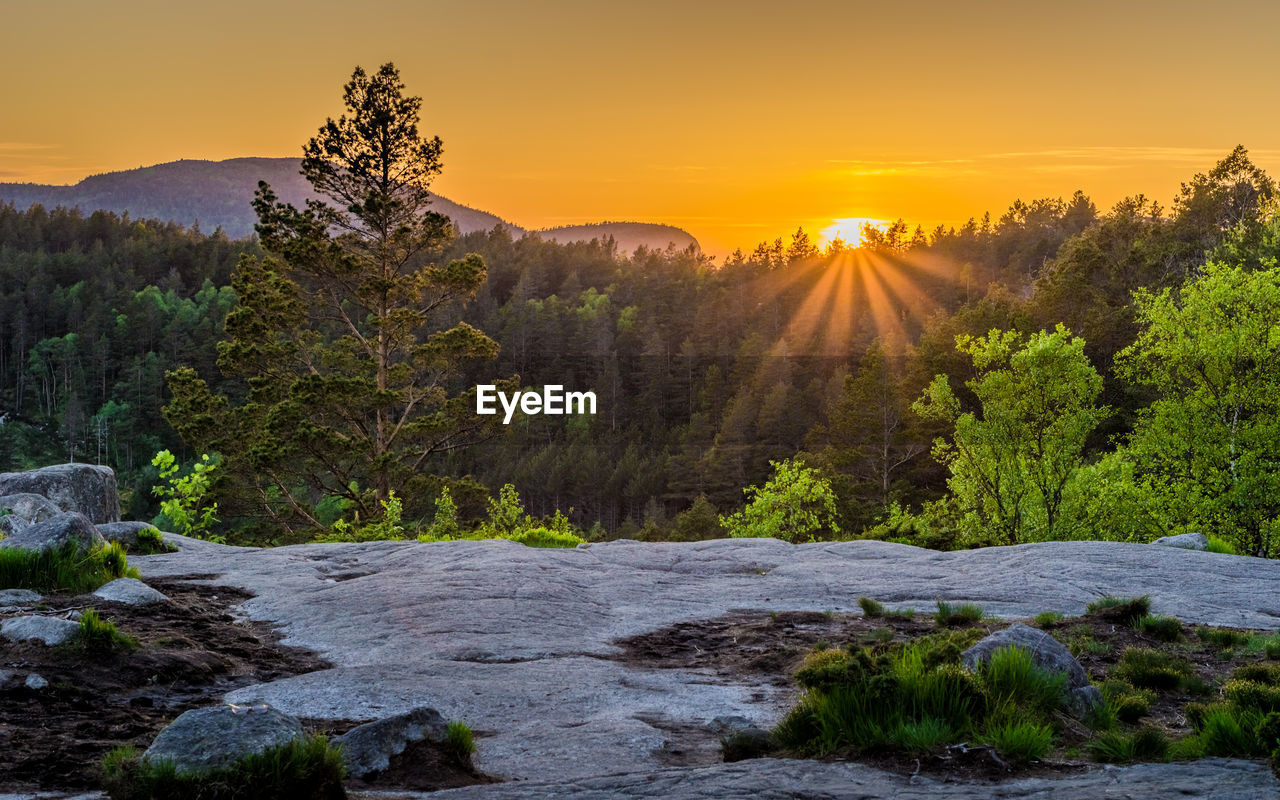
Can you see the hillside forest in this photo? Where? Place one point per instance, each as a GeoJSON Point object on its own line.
{"type": "Point", "coordinates": [1057, 371]}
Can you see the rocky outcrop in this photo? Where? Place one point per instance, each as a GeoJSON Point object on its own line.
{"type": "Point", "coordinates": [368, 748]}
{"type": "Point", "coordinates": [1186, 541]}
{"type": "Point", "coordinates": [11, 598]}
{"type": "Point", "coordinates": [204, 739]}
{"type": "Point", "coordinates": [49, 630]}
{"type": "Point", "coordinates": [126, 533]}
{"type": "Point", "coordinates": [84, 488]}
{"type": "Point", "coordinates": [129, 591]}
{"type": "Point", "coordinates": [1048, 654]}
{"type": "Point", "coordinates": [65, 530]}
{"type": "Point", "coordinates": [30, 507]}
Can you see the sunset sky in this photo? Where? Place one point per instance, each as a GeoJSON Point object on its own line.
{"type": "Point", "coordinates": [737, 121]}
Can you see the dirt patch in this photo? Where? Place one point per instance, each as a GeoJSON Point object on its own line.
{"type": "Point", "coordinates": [191, 652]}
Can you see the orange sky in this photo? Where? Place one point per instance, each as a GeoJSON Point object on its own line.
{"type": "Point", "coordinates": [737, 121]}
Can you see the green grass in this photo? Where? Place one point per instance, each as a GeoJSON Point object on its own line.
{"type": "Point", "coordinates": [1252, 694]}
{"type": "Point", "coordinates": [98, 635]}
{"type": "Point", "coordinates": [1021, 742]}
{"type": "Point", "coordinates": [1117, 747]}
{"type": "Point", "coordinates": [1129, 703]}
{"type": "Point", "coordinates": [69, 569]}
{"type": "Point", "coordinates": [151, 541]}
{"type": "Point", "coordinates": [459, 742]}
{"type": "Point", "coordinates": [1222, 546]}
{"type": "Point", "coordinates": [1046, 619]}
{"type": "Point", "coordinates": [1124, 610]}
{"type": "Point", "coordinates": [870, 607]}
{"type": "Point", "coordinates": [1222, 638]}
{"type": "Point", "coordinates": [926, 736]}
{"type": "Point", "coordinates": [1166, 629]}
{"type": "Point", "coordinates": [1227, 731]}
{"type": "Point", "coordinates": [1151, 669]}
{"type": "Point", "coordinates": [1011, 678]}
{"type": "Point", "coordinates": [305, 769]}
{"type": "Point", "coordinates": [953, 616]}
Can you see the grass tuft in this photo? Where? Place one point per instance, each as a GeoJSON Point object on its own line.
{"type": "Point", "coordinates": [1151, 669]}
{"type": "Point", "coordinates": [1116, 747]}
{"type": "Point", "coordinates": [1011, 677]}
{"type": "Point", "coordinates": [459, 741]}
{"type": "Point", "coordinates": [1222, 638]}
{"type": "Point", "coordinates": [1125, 611]}
{"type": "Point", "coordinates": [954, 616]}
{"type": "Point", "coordinates": [1021, 742]}
{"type": "Point", "coordinates": [151, 541]}
{"type": "Point", "coordinates": [98, 635]}
{"type": "Point", "coordinates": [1047, 619]}
{"type": "Point", "coordinates": [1217, 545]}
{"type": "Point", "coordinates": [305, 769]}
{"type": "Point", "coordinates": [870, 607]}
{"type": "Point", "coordinates": [69, 569]}
{"type": "Point", "coordinates": [1166, 629]}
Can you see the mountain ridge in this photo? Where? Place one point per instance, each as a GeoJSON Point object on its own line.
{"type": "Point", "coordinates": [217, 194]}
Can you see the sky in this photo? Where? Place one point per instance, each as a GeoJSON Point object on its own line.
{"type": "Point", "coordinates": [737, 121]}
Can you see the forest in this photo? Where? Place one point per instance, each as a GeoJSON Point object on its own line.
{"type": "Point", "coordinates": [1058, 371]}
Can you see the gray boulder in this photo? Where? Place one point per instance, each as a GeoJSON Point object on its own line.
{"type": "Point", "coordinates": [67, 528]}
{"type": "Point", "coordinates": [86, 488]}
{"type": "Point", "coordinates": [126, 533]}
{"type": "Point", "coordinates": [1048, 654]}
{"type": "Point", "coordinates": [204, 739]}
{"type": "Point", "coordinates": [368, 748]}
{"type": "Point", "coordinates": [30, 507]}
{"type": "Point", "coordinates": [10, 598]}
{"type": "Point", "coordinates": [36, 682]}
{"type": "Point", "coordinates": [1185, 541]}
{"type": "Point", "coordinates": [130, 591]}
{"type": "Point", "coordinates": [50, 630]}
{"type": "Point", "coordinates": [11, 524]}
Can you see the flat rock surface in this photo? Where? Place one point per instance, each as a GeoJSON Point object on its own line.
{"type": "Point", "coordinates": [519, 642]}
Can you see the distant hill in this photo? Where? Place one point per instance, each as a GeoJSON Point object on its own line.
{"type": "Point", "coordinates": [218, 194]}
{"type": "Point", "coordinates": [628, 235]}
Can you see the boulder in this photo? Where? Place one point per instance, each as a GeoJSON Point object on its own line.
{"type": "Point", "coordinates": [204, 739]}
{"type": "Point", "coordinates": [368, 748]}
{"type": "Point", "coordinates": [50, 630]}
{"type": "Point", "coordinates": [18, 597]}
{"type": "Point", "coordinates": [30, 507]}
{"type": "Point", "coordinates": [86, 488]}
{"type": "Point", "coordinates": [36, 682]}
{"type": "Point", "coordinates": [126, 533]}
{"type": "Point", "coordinates": [11, 524]}
{"type": "Point", "coordinates": [1185, 541]}
{"type": "Point", "coordinates": [67, 528]}
{"type": "Point", "coordinates": [1048, 654]}
{"type": "Point", "coordinates": [130, 591]}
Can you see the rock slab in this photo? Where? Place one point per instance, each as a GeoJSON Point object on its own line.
{"type": "Point", "coordinates": [1185, 541]}
{"type": "Point", "coordinates": [50, 630]}
{"type": "Point", "coordinates": [130, 591]}
{"type": "Point", "coordinates": [205, 739]}
{"type": "Point", "coordinates": [368, 748]}
{"type": "Point", "coordinates": [67, 529]}
{"type": "Point", "coordinates": [86, 488]}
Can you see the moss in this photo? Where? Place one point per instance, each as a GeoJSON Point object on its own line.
{"type": "Point", "coordinates": [305, 769]}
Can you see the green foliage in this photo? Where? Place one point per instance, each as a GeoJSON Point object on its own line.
{"type": "Point", "coordinates": [1222, 546]}
{"type": "Point", "coordinates": [1126, 611]}
{"type": "Point", "coordinates": [1116, 747]}
{"type": "Point", "coordinates": [1252, 694]}
{"type": "Point", "coordinates": [444, 525]}
{"type": "Point", "coordinates": [1021, 742]}
{"type": "Point", "coordinates": [183, 497]}
{"type": "Point", "coordinates": [67, 569]}
{"type": "Point", "coordinates": [870, 607]}
{"type": "Point", "coordinates": [306, 769]}
{"type": "Point", "coordinates": [1129, 704]}
{"type": "Point", "coordinates": [1221, 638]}
{"type": "Point", "coordinates": [98, 636]}
{"type": "Point", "coordinates": [151, 541]}
{"type": "Point", "coordinates": [507, 520]}
{"type": "Point", "coordinates": [925, 736]}
{"type": "Point", "coordinates": [1013, 680]}
{"type": "Point", "coordinates": [384, 528]}
{"type": "Point", "coordinates": [1047, 619]}
{"type": "Point", "coordinates": [1016, 465]}
{"type": "Point", "coordinates": [795, 505]}
{"type": "Point", "coordinates": [459, 742]}
{"type": "Point", "coordinates": [1166, 629]}
{"type": "Point", "coordinates": [1229, 731]}
{"type": "Point", "coordinates": [1204, 449]}
{"type": "Point", "coordinates": [1151, 669]}
{"type": "Point", "coordinates": [954, 616]}
{"type": "Point", "coordinates": [699, 522]}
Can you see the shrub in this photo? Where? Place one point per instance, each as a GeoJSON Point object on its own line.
{"type": "Point", "coordinates": [98, 635]}
{"type": "Point", "coordinates": [1260, 673]}
{"type": "Point", "coordinates": [870, 607]}
{"type": "Point", "coordinates": [1125, 611]}
{"type": "Point", "coordinates": [1221, 638]}
{"type": "Point", "coordinates": [544, 537]}
{"type": "Point", "coordinates": [1271, 646]}
{"type": "Point", "coordinates": [459, 742]}
{"type": "Point", "coordinates": [795, 505]}
{"type": "Point", "coordinates": [949, 616]}
{"type": "Point", "coordinates": [1251, 694]}
{"type": "Point", "coordinates": [1115, 747]}
{"type": "Point", "coordinates": [1166, 629]}
{"type": "Point", "coordinates": [1012, 678]}
{"type": "Point", "coordinates": [385, 528]}
{"type": "Point", "coordinates": [183, 498]}
{"type": "Point", "coordinates": [1046, 619]}
{"type": "Point", "coordinates": [1227, 731]}
{"type": "Point", "coordinates": [1021, 742]}
{"type": "Point", "coordinates": [68, 569]}
{"type": "Point", "coordinates": [1130, 704]}
{"type": "Point", "coordinates": [151, 541]}
{"type": "Point", "coordinates": [1151, 669]}
{"type": "Point", "coordinates": [1217, 545]}
{"type": "Point", "coordinates": [305, 769]}
{"type": "Point", "coordinates": [826, 668]}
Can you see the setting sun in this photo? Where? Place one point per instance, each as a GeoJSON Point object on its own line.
{"type": "Point", "coordinates": [849, 229]}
